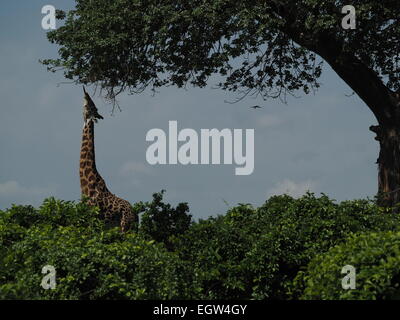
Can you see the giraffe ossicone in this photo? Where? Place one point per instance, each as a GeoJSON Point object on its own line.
{"type": "Point", "coordinates": [93, 186]}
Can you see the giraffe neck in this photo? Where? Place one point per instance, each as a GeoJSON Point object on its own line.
{"type": "Point", "coordinates": [91, 181]}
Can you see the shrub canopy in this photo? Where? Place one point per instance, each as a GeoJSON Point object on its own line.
{"type": "Point", "coordinates": [248, 253]}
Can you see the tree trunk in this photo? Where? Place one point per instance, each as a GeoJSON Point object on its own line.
{"type": "Point", "coordinates": [384, 103]}
{"type": "Point", "coordinates": [388, 164]}
{"type": "Point", "coordinates": [368, 85]}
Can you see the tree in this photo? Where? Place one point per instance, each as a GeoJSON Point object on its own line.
{"type": "Point", "coordinates": [161, 222]}
{"type": "Point", "coordinates": [268, 48]}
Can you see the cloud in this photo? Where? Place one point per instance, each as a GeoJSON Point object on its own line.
{"type": "Point", "coordinates": [292, 188]}
{"type": "Point", "coordinates": [134, 168]}
{"type": "Point", "coordinates": [13, 188]}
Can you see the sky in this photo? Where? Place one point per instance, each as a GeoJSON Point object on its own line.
{"type": "Point", "coordinates": [319, 143]}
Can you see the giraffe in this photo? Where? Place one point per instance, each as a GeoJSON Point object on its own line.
{"type": "Point", "coordinates": [113, 208]}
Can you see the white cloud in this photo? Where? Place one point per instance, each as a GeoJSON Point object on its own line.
{"type": "Point", "coordinates": [13, 188]}
{"type": "Point", "coordinates": [292, 188]}
{"type": "Point", "coordinates": [134, 168]}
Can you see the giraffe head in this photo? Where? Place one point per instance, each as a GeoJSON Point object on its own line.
{"type": "Point", "coordinates": [90, 112]}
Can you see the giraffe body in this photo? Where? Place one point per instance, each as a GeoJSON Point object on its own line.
{"type": "Point", "coordinates": [114, 209]}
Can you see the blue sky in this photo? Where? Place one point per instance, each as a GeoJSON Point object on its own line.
{"type": "Point", "coordinates": [318, 142]}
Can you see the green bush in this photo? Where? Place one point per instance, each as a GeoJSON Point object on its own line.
{"type": "Point", "coordinates": [376, 259]}
{"type": "Point", "coordinates": [248, 253]}
{"type": "Point", "coordinates": [161, 222]}
{"type": "Point", "coordinates": [256, 253]}
{"type": "Point", "coordinates": [91, 260]}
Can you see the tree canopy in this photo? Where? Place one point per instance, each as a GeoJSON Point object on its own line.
{"type": "Point", "coordinates": [269, 48]}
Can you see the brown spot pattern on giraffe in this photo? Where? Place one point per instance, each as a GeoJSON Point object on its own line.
{"type": "Point", "coordinates": [94, 187]}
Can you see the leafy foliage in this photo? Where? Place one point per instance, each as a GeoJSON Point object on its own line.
{"type": "Point", "coordinates": [163, 223]}
{"type": "Point", "coordinates": [249, 253]}
{"type": "Point", "coordinates": [91, 260]}
{"type": "Point", "coordinates": [376, 258]}
{"type": "Point", "coordinates": [265, 47]}
{"type": "Point", "coordinates": [256, 253]}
